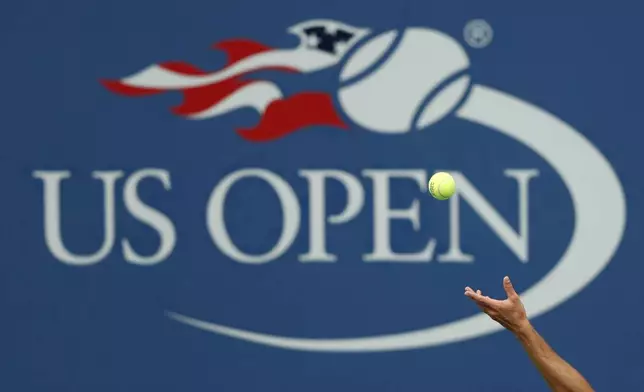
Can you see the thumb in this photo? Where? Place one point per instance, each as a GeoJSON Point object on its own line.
{"type": "Point", "coordinates": [509, 289]}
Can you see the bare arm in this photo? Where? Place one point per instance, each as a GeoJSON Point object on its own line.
{"type": "Point", "coordinates": [559, 374]}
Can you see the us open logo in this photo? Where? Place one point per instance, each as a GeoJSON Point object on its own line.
{"type": "Point", "coordinates": [391, 83]}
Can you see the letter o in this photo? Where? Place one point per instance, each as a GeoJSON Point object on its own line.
{"type": "Point", "coordinates": [290, 216]}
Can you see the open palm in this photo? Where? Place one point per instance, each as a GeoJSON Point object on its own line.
{"type": "Point", "coordinates": [509, 312]}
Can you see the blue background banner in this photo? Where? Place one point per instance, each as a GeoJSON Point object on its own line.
{"type": "Point", "coordinates": [150, 244]}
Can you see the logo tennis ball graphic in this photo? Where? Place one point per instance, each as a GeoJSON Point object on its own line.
{"type": "Point", "coordinates": [419, 81]}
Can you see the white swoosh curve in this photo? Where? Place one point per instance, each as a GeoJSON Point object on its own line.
{"type": "Point", "coordinates": [599, 226]}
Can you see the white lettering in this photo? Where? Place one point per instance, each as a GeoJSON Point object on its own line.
{"type": "Point", "coordinates": [150, 216]}
{"type": "Point", "coordinates": [383, 214]}
{"type": "Point", "coordinates": [52, 220]}
{"type": "Point", "coordinates": [290, 216]}
{"type": "Point", "coordinates": [317, 210]}
{"type": "Point", "coordinates": [517, 242]}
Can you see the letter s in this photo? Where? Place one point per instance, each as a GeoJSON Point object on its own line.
{"type": "Point", "coordinates": [150, 216]}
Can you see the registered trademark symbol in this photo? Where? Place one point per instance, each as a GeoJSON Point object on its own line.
{"type": "Point", "coordinates": [478, 33]}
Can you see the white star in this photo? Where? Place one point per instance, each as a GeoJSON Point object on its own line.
{"type": "Point", "coordinates": [341, 47]}
{"type": "Point", "coordinates": [331, 28]}
{"type": "Point", "coordinates": [312, 41]}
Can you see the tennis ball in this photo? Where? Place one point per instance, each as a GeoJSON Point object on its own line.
{"type": "Point", "coordinates": [442, 186]}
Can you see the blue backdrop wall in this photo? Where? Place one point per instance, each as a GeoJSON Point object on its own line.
{"type": "Point", "coordinates": [253, 215]}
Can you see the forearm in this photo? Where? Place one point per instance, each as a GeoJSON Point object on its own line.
{"type": "Point", "coordinates": [559, 375]}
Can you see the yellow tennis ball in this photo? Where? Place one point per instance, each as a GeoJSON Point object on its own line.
{"type": "Point", "coordinates": [442, 186]}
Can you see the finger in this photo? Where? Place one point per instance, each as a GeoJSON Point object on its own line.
{"type": "Point", "coordinates": [488, 302]}
{"type": "Point", "coordinates": [483, 307]}
{"type": "Point", "coordinates": [468, 288]}
{"type": "Point", "coordinates": [482, 300]}
{"type": "Point", "coordinates": [487, 310]}
{"type": "Point", "coordinates": [509, 289]}
{"type": "Point", "coordinates": [479, 292]}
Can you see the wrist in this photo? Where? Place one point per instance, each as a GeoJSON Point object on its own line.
{"type": "Point", "coordinates": [522, 328]}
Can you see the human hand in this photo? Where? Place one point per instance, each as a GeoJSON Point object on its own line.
{"type": "Point", "coordinates": [510, 312]}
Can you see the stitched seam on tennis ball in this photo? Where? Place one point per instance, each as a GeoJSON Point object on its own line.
{"type": "Point", "coordinates": [438, 190]}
